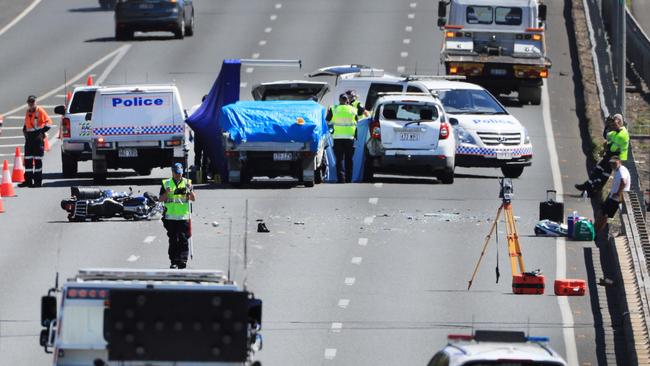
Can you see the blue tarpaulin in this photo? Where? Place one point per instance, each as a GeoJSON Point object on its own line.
{"type": "Point", "coordinates": [275, 121]}
{"type": "Point", "coordinates": [206, 123]}
{"type": "Point", "coordinates": [359, 157]}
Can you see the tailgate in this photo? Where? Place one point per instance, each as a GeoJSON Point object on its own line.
{"type": "Point", "coordinates": [400, 128]}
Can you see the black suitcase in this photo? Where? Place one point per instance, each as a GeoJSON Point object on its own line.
{"type": "Point", "coordinates": [551, 209]}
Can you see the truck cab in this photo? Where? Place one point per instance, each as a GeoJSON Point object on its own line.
{"type": "Point", "coordinates": [137, 317]}
{"type": "Point", "coordinates": [500, 44]}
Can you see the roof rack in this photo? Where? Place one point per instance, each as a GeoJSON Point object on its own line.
{"type": "Point", "coordinates": [434, 77]}
{"type": "Point", "coordinates": [419, 94]}
{"type": "Point", "coordinates": [118, 274]}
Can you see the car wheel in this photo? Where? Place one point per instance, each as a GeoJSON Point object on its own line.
{"type": "Point", "coordinates": [68, 165]}
{"type": "Point", "coordinates": [447, 176]}
{"type": "Point", "coordinates": [536, 96]}
{"type": "Point", "coordinates": [189, 31]}
{"type": "Point", "coordinates": [180, 32]}
{"type": "Point", "coordinates": [512, 171]}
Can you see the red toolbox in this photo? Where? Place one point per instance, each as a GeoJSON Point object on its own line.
{"type": "Point", "coordinates": [528, 284]}
{"type": "Point", "coordinates": [570, 287]}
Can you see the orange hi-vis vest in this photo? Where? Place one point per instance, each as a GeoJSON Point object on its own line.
{"type": "Point", "coordinates": [36, 120]}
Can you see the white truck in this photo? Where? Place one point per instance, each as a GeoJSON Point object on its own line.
{"type": "Point", "coordinates": [498, 44]}
{"type": "Point", "coordinates": [126, 317]}
{"type": "Point", "coordinates": [137, 127]}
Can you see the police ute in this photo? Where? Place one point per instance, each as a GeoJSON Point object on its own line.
{"type": "Point", "coordinates": [137, 127]}
{"type": "Point", "coordinates": [152, 317]}
{"type": "Point", "coordinates": [496, 348]}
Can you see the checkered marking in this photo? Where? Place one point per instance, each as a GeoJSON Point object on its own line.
{"type": "Point", "coordinates": [139, 130]}
{"type": "Point", "coordinates": [484, 151]}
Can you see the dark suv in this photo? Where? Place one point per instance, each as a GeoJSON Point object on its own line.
{"type": "Point", "coordinates": [175, 16]}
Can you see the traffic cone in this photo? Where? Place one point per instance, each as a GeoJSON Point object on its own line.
{"type": "Point", "coordinates": [18, 175]}
{"type": "Point", "coordinates": [46, 142]}
{"type": "Point", "coordinates": [68, 97]}
{"type": "Point", "coordinates": [7, 187]}
{"type": "Point", "coordinates": [89, 81]}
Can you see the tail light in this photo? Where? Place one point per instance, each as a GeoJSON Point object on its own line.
{"type": "Point", "coordinates": [307, 154]}
{"type": "Point", "coordinates": [173, 142]}
{"type": "Point", "coordinates": [444, 131]}
{"type": "Point", "coordinates": [65, 127]}
{"type": "Point", "coordinates": [375, 130]}
{"type": "Point", "coordinates": [231, 153]}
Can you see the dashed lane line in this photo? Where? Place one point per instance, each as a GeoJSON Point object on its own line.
{"type": "Point", "coordinates": [349, 281]}
{"type": "Point", "coordinates": [262, 42]}
{"type": "Point", "coordinates": [149, 239]}
{"type": "Point", "coordinates": [356, 260]}
{"type": "Point", "coordinates": [363, 241]}
{"type": "Point", "coordinates": [268, 30]}
{"type": "Point", "coordinates": [336, 327]}
{"type": "Point", "coordinates": [343, 303]}
{"type": "Point", "coordinates": [373, 200]}
{"type": "Point", "coordinates": [330, 353]}
{"type": "Point", "coordinates": [369, 220]}
{"type": "Point", "coordinates": [133, 258]}
{"type": "Point", "coordinates": [408, 28]}
{"type": "Point", "coordinates": [379, 185]}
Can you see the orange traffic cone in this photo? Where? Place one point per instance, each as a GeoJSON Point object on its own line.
{"type": "Point", "coordinates": [68, 97]}
{"type": "Point", "coordinates": [18, 175]}
{"type": "Point", "coordinates": [46, 142]}
{"type": "Point", "coordinates": [89, 81]}
{"type": "Point", "coordinates": [7, 187]}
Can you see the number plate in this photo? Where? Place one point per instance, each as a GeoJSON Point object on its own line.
{"type": "Point", "coordinates": [409, 136]}
{"type": "Point", "coordinates": [498, 72]}
{"type": "Point", "coordinates": [146, 6]}
{"type": "Point", "coordinates": [127, 153]}
{"type": "Point", "coordinates": [283, 156]}
{"type": "Point", "coordinates": [504, 155]}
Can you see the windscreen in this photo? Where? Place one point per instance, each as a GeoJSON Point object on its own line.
{"type": "Point", "coordinates": [467, 101]}
{"type": "Point", "coordinates": [82, 323]}
{"type": "Point", "coordinates": [507, 15]}
{"type": "Point", "coordinates": [82, 102]}
{"type": "Point", "coordinates": [479, 15]}
{"type": "Point", "coordinates": [410, 112]}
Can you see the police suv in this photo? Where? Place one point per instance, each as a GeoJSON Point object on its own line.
{"type": "Point", "coordinates": [488, 136]}
{"type": "Point", "coordinates": [137, 127]}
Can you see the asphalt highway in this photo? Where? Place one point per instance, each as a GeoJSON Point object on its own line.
{"type": "Point", "coordinates": [355, 274]}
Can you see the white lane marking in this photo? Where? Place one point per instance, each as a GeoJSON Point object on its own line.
{"type": "Point", "coordinates": [336, 327]}
{"type": "Point", "coordinates": [404, 54]}
{"type": "Point", "coordinates": [349, 281]}
{"type": "Point", "coordinates": [80, 75]}
{"type": "Point", "coordinates": [133, 258]}
{"type": "Point", "coordinates": [268, 30]}
{"type": "Point", "coordinates": [406, 41]}
{"type": "Point", "coordinates": [7, 155]}
{"type": "Point", "coordinates": [411, 16]}
{"type": "Point", "coordinates": [401, 69]}
{"type": "Point", "coordinates": [111, 66]}
{"type": "Point", "coordinates": [408, 28]}
{"type": "Point", "coordinates": [343, 303]}
{"type": "Point", "coordinates": [379, 185]}
{"type": "Point", "coordinates": [560, 244]}
{"type": "Point", "coordinates": [262, 42]}
{"type": "Point", "coordinates": [149, 239]}
{"type": "Point", "coordinates": [11, 137]}
{"type": "Point", "coordinates": [413, 5]}
{"type": "Point", "coordinates": [60, 96]}
{"type": "Point", "coordinates": [12, 128]}
{"type": "Point", "coordinates": [249, 70]}
{"type": "Point", "coordinates": [363, 241]}
{"type": "Point", "coordinates": [255, 55]}
{"type": "Point", "coordinates": [278, 6]}
{"type": "Point", "coordinates": [273, 17]}
{"type": "Point", "coordinates": [368, 220]}
{"type": "Point", "coordinates": [20, 16]}
{"type": "Point", "coordinates": [243, 84]}
{"type": "Point", "coordinates": [330, 353]}
{"type": "Point", "coordinates": [12, 145]}
{"type": "Point", "coordinates": [15, 117]}
{"type": "Point", "coordinates": [373, 200]}
{"type": "Point", "coordinates": [356, 260]}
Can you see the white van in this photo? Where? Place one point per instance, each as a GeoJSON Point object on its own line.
{"type": "Point", "coordinates": [488, 135]}
{"type": "Point", "coordinates": [137, 127]}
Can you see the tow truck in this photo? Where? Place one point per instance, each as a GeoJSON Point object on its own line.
{"type": "Point", "coordinates": [138, 317]}
{"type": "Point", "coordinates": [498, 44]}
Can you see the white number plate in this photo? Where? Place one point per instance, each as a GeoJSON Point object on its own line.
{"type": "Point", "coordinates": [283, 156]}
{"type": "Point", "coordinates": [504, 155]}
{"type": "Point", "coordinates": [409, 136]}
{"type": "Point", "coordinates": [127, 153]}
{"type": "Point", "coordinates": [498, 72]}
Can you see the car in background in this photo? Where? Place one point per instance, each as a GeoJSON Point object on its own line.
{"type": "Point", "coordinates": [175, 16]}
{"type": "Point", "coordinates": [496, 348]}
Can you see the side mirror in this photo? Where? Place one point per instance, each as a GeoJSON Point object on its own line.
{"type": "Point", "coordinates": [89, 116]}
{"type": "Point", "coordinates": [442, 22]}
{"type": "Point", "coordinates": [255, 312]}
{"type": "Point", "coordinates": [442, 9]}
{"type": "Point", "coordinates": [542, 12]}
{"type": "Point", "coordinates": [59, 109]}
{"type": "Point", "coordinates": [48, 310]}
{"type": "Point", "coordinates": [453, 121]}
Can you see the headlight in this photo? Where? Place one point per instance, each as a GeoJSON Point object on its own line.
{"type": "Point", "coordinates": [464, 136]}
{"type": "Point", "coordinates": [526, 137]}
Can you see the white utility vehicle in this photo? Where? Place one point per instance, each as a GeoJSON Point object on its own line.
{"type": "Point", "coordinates": [488, 135]}
{"type": "Point", "coordinates": [496, 348]}
{"type": "Point", "coordinates": [409, 134]}
{"type": "Point", "coordinates": [76, 131]}
{"type": "Point", "coordinates": [137, 127]}
{"type": "Point", "coordinates": [126, 317]}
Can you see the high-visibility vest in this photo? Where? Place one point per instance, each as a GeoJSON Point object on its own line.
{"type": "Point", "coordinates": [356, 105]}
{"type": "Point", "coordinates": [36, 120]}
{"type": "Point", "coordinates": [344, 119]}
{"type": "Point", "coordinates": [619, 142]}
{"type": "Point", "coordinates": [177, 206]}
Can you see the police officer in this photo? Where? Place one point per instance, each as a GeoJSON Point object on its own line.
{"type": "Point", "coordinates": [177, 193]}
{"type": "Point", "coordinates": [37, 123]}
{"type": "Point", "coordinates": [353, 100]}
{"type": "Point", "coordinates": [342, 119]}
{"type": "Point", "coordinates": [618, 143]}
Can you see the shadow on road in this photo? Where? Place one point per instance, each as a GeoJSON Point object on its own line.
{"type": "Point", "coordinates": [89, 10]}
{"type": "Point", "coordinates": [134, 39]}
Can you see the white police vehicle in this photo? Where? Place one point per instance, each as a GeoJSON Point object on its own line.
{"type": "Point", "coordinates": [496, 348]}
{"type": "Point", "coordinates": [488, 135]}
{"type": "Point", "coordinates": [137, 127]}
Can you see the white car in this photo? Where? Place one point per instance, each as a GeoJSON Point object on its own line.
{"type": "Point", "coordinates": [496, 348]}
{"type": "Point", "coordinates": [488, 135]}
{"type": "Point", "coordinates": [409, 133]}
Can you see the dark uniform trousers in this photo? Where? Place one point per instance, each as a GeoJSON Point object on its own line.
{"type": "Point", "coordinates": [343, 151]}
{"type": "Point", "coordinates": [34, 151]}
{"type": "Point", "coordinates": [178, 232]}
